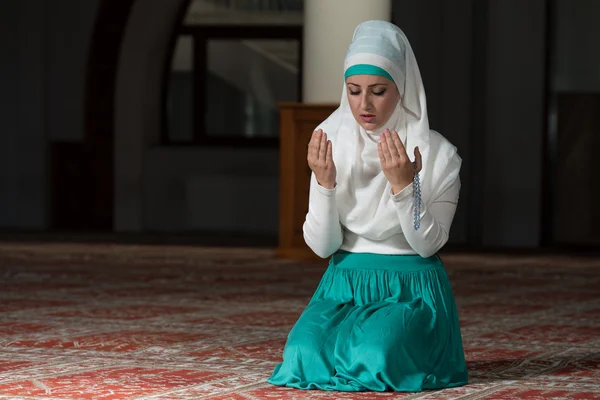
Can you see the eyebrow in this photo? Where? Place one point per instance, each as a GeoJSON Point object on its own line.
{"type": "Point", "coordinates": [375, 84]}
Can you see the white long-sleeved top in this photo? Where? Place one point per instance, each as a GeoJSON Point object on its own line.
{"type": "Point", "coordinates": [325, 234]}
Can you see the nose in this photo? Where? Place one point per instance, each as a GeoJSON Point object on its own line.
{"type": "Point", "coordinates": [365, 102]}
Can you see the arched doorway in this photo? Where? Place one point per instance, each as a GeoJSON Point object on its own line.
{"type": "Point", "coordinates": [82, 184]}
{"type": "Point", "coordinates": [160, 186]}
{"type": "Point", "coordinates": [83, 173]}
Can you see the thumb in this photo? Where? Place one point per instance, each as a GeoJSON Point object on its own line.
{"type": "Point", "coordinates": [418, 159]}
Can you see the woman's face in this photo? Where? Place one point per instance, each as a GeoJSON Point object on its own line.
{"type": "Point", "coordinates": [372, 99]}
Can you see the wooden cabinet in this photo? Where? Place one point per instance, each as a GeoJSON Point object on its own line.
{"type": "Point", "coordinates": [297, 122]}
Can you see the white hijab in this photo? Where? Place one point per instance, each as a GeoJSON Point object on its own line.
{"type": "Point", "coordinates": [363, 192]}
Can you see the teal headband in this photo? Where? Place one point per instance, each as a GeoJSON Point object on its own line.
{"type": "Point", "coordinates": [367, 69]}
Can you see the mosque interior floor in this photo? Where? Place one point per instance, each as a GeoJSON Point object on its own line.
{"type": "Point", "coordinates": [126, 321]}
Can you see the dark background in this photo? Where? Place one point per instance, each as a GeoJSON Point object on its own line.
{"type": "Point", "coordinates": [104, 135]}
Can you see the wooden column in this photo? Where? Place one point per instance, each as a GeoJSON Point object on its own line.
{"type": "Point", "coordinates": [297, 123]}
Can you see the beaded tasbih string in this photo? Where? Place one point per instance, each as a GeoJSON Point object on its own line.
{"type": "Point", "coordinates": [417, 198]}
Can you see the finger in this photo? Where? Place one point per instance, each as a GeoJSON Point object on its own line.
{"type": "Point", "coordinates": [386, 151]}
{"type": "Point", "coordinates": [418, 159]}
{"type": "Point", "coordinates": [380, 151]}
{"type": "Point", "coordinates": [398, 145]}
{"type": "Point", "coordinates": [314, 137]}
{"type": "Point", "coordinates": [313, 146]}
{"type": "Point", "coordinates": [329, 155]}
{"type": "Point", "coordinates": [323, 147]}
{"type": "Point", "coordinates": [390, 149]}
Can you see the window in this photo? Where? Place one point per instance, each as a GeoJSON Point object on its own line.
{"type": "Point", "coordinates": [230, 69]}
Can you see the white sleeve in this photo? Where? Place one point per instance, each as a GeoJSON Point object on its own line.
{"type": "Point", "coordinates": [435, 219]}
{"type": "Point", "coordinates": [322, 229]}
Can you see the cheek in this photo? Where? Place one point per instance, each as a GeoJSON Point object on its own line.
{"type": "Point", "coordinates": [354, 102]}
{"type": "Point", "coordinates": [387, 105]}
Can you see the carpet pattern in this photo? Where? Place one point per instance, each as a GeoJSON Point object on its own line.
{"type": "Point", "coordinates": [127, 322]}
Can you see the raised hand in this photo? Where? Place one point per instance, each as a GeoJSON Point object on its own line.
{"type": "Point", "coordinates": [320, 159]}
{"type": "Point", "coordinates": [396, 165]}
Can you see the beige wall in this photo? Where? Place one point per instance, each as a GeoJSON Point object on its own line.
{"type": "Point", "coordinates": [328, 29]}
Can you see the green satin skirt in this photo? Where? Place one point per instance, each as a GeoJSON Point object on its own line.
{"type": "Point", "coordinates": [376, 323]}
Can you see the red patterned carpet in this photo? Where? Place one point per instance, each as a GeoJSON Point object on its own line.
{"type": "Point", "coordinates": [126, 322]}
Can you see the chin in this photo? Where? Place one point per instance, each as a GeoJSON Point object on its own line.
{"type": "Point", "coordinates": [369, 126]}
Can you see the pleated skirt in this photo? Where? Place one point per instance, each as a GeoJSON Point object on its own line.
{"type": "Point", "coordinates": [376, 323]}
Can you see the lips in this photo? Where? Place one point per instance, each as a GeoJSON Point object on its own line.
{"type": "Point", "coordinates": [367, 117]}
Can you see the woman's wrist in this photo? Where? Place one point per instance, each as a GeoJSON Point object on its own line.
{"type": "Point", "coordinates": [399, 187]}
{"type": "Point", "coordinates": [327, 185]}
